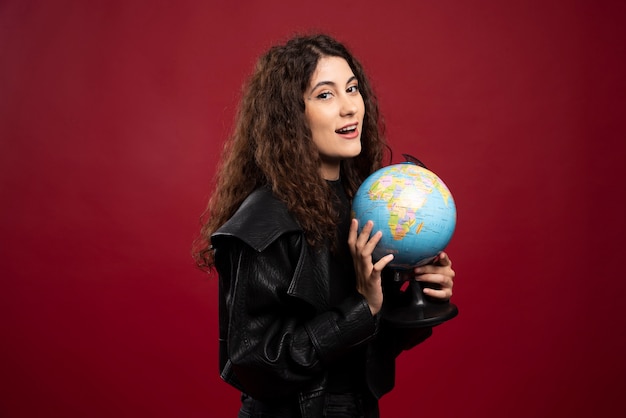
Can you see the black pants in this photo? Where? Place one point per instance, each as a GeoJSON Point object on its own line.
{"type": "Point", "coordinates": [336, 405]}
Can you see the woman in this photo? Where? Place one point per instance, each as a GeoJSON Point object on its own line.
{"type": "Point", "coordinates": [300, 296]}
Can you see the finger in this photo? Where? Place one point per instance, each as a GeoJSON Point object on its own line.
{"type": "Point", "coordinates": [365, 251]}
{"type": "Point", "coordinates": [431, 269]}
{"type": "Point", "coordinates": [443, 260]}
{"type": "Point", "coordinates": [354, 227]}
{"type": "Point", "coordinates": [382, 263]}
{"type": "Point", "coordinates": [446, 270]}
{"type": "Point", "coordinates": [367, 228]}
{"type": "Point", "coordinates": [442, 294]}
{"type": "Point", "coordinates": [364, 236]}
{"type": "Point", "coordinates": [443, 280]}
{"type": "Point", "coordinates": [372, 242]}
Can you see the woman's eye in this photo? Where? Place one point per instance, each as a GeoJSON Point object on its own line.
{"type": "Point", "coordinates": [325, 95]}
{"type": "Point", "coordinates": [353, 89]}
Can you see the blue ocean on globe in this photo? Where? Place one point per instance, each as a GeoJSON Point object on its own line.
{"type": "Point", "coordinates": [412, 207]}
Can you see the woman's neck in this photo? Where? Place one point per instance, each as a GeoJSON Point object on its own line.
{"type": "Point", "coordinates": [330, 172]}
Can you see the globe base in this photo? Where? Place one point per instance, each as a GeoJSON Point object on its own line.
{"type": "Point", "coordinates": [420, 312]}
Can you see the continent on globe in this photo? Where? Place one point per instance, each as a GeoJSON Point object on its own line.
{"type": "Point", "coordinates": [412, 207]}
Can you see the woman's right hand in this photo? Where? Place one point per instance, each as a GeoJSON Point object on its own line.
{"type": "Point", "coordinates": [368, 274]}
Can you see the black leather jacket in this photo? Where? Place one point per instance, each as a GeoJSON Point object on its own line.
{"type": "Point", "coordinates": [277, 332]}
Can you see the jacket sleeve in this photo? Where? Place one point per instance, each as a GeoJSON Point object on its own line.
{"type": "Point", "coordinates": [276, 343]}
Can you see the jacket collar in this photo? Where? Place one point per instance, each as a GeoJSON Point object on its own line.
{"type": "Point", "coordinates": [259, 221]}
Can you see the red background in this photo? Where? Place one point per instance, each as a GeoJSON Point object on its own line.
{"type": "Point", "coordinates": [111, 117]}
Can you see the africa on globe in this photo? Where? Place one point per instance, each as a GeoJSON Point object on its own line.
{"type": "Point", "coordinates": [413, 209]}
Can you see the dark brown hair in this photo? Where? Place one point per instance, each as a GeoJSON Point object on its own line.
{"type": "Point", "coordinates": [271, 144]}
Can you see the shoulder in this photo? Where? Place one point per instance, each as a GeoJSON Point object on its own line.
{"type": "Point", "coordinates": [259, 221]}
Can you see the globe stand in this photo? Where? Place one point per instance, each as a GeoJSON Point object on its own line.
{"type": "Point", "coordinates": [421, 311]}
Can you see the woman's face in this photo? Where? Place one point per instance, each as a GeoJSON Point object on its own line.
{"type": "Point", "coordinates": [334, 110]}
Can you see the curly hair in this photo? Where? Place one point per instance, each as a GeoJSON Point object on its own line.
{"type": "Point", "coordinates": [272, 144]}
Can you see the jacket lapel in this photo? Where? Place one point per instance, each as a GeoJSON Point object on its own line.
{"type": "Point", "coordinates": [310, 279]}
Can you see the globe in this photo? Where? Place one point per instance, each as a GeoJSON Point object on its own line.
{"type": "Point", "coordinates": [412, 207]}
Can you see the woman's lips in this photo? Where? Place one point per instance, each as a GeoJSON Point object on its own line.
{"type": "Point", "coordinates": [349, 134]}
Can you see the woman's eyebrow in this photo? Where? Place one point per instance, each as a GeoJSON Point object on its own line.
{"type": "Point", "coordinates": [323, 83]}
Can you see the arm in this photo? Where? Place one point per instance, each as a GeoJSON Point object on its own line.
{"type": "Point", "coordinates": [370, 285]}
{"type": "Point", "coordinates": [277, 343]}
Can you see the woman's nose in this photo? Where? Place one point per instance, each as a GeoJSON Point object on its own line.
{"type": "Point", "coordinates": [349, 106]}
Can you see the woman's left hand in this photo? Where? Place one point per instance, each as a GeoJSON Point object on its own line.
{"type": "Point", "coordinates": [439, 273]}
